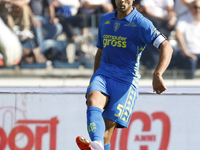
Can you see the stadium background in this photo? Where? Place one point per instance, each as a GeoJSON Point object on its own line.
{"type": "Point", "coordinates": [44, 109]}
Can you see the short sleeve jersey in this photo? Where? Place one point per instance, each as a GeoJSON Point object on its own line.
{"type": "Point", "coordinates": [123, 42]}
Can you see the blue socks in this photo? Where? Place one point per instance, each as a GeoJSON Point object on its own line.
{"type": "Point", "coordinates": [107, 147]}
{"type": "Point", "coordinates": [95, 124]}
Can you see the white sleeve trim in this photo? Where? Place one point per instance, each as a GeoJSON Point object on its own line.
{"type": "Point", "coordinates": [159, 40]}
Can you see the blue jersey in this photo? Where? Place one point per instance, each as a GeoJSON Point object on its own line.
{"type": "Point", "coordinates": [123, 42]}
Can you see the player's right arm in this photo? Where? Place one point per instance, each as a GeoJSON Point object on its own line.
{"type": "Point", "coordinates": [97, 59]}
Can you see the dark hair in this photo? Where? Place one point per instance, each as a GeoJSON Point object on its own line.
{"type": "Point", "coordinates": [136, 2]}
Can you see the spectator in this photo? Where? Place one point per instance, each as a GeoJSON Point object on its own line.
{"type": "Point", "coordinates": [67, 13]}
{"type": "Point", "coordinates": [44, 26]}
{"type": "Point", "coordinates": [187, 34]}
{"type": "Point", "coordinates": [14, 54]}
{"type": "Point", "coordinates": [10, 46]}
{"type": "Point", "coordinates": [97, 7]}
{"type": "Point", "coordinates": [71, 16]}
{"type": "Point", "coordinates": [161, 13]}
{"type": "Point", "coordinates": [181, 7]}
{"type": "Point", "coordinates": [15, 14]}
{"type": "Point", "coordinates": [12, 51]}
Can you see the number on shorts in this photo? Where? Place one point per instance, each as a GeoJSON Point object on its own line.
{"type": "Point", "coordinates": [119, 107]}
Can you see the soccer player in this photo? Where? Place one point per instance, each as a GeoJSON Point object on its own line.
{"type": "Point", "coordinates": [113, 88]}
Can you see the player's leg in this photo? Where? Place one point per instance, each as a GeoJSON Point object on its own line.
{"type": "Point", "coordinates": [96, 101]}
{"type": "Point", "coordinates": [110, 127]}
{"type": "Point", "coordinates": [119, 109]}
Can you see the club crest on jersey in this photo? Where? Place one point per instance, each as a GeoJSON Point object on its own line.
{"type": "Point", "coordinates": [116, 26]}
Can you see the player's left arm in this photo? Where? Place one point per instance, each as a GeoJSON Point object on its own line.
{"type": "Point", "coordinates": [166, 51]}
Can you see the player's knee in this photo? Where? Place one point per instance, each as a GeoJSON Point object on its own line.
{"type": "Point", "coordinates": [97, 99]}
{"type": "Point", "coordinates": [92, 102]}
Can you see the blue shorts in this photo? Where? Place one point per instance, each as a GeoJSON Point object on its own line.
{"type": "Point", "coordinates": [122, 97]}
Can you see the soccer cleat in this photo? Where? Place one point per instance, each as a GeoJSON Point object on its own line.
{"type": "Point", "coordinates": [85, 144]}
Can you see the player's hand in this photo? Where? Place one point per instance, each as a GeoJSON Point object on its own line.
{"type": "Point", "coordinates": [158, 83]}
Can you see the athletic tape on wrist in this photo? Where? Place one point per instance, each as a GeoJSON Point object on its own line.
{"type": "Point", "coordinates": [159, 40]}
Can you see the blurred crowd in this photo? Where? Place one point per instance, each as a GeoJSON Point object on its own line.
{"type": "Point", "coordinates": [29, 30]}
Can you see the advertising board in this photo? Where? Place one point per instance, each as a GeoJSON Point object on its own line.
{"type": "Point", "coordinates": [52, 121]}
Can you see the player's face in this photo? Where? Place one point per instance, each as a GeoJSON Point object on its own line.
{"type": "Point", "coordinates": [124, 5]}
